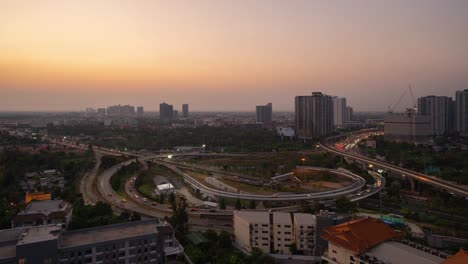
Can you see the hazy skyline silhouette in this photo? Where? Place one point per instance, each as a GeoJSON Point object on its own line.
{"type": "Point", "coordinates": [228, 55]}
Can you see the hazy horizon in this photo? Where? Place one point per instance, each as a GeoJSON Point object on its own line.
{"type": "Point", "coordinates": [228, 55]}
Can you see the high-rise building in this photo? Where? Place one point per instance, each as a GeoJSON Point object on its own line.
{"type": "Point", "coordinates": [264, 113]}
{"type": "Point", "coordinates": [339, 112]}
{"type": "Point", "coordinates": [101, 111]}
{"type": "Point", "coordinates": [314, 115]}
{"type": "Point", "coordinates": [185, 111]}
{"type": "Point", "coordinates": [166, 112]}
{"type": "Point", "coordinates": [349, 114]}
{"type": "Point", "coordinates": [441, 111]}
{"type": "Point", "coordinates": [408, 127]}
{"type": "Point", "coordinates": [461, 111]}
{"type": "Point", "coordinates": [140, 111]}
{"type": "Point", "coordinates": [121, 110]}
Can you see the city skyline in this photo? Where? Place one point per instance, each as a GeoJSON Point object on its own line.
{"type": "Point", "coordinates": [65, 55]}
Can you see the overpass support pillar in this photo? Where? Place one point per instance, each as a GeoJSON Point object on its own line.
{"type": "Point", "coordinates": [413, 183]}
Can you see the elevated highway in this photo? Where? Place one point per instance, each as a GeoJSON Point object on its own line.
{"type": "Point", "coordinates": [451, 187]}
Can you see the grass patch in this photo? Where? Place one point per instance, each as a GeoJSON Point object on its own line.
{"type": "Point", "coordinates": [247, 187]}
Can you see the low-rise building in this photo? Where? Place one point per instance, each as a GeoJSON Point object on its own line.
{"type": "Point", "coordinates": [408, 127]}
{"type": "Point", "coordinates": [275, 232]}
{"type": "Point", "coordinates": [369, 240]}
{"type": "Point", "coordinates": [44, 213]}
{"type": "Point", "coordinates": [146, 241]}
{"type": "Point", "coordinates": [282, 233]}
{"type": "Point", "coordinates": [304, 232]}
{"type": "Point", "coordinates": [252, 230]}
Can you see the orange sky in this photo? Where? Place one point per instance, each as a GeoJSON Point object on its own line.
{"type": "Point", "coordinates": [68, 55]}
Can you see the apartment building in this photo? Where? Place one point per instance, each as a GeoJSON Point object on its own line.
{"type": "Point", "coordinates": [252, 230]}
{"type": "Point", "coordinates": [369, 240]}
{"type": "Point", "coordinates": [304, 232]}
{"type": "Point", "coordinates": [274, 232]}
{"type": "Point", "coordinates": [282, 233]}
{"type": "Point", "coordinates": [48, 212]}
{"type": "Point", "coordinates": [134, 242]}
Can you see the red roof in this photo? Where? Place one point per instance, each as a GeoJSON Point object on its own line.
{"type": "Point", "coordinates": [460, 258]}
{"type": "Point", "coordinates": [360, 235]}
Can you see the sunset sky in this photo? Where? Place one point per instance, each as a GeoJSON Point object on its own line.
{"type": "Point", "coordinates": [228, 55]}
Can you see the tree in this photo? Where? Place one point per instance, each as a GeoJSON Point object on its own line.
{"type": "Point", "coordinates": [252, 204]}
{"type": "Point", "coordinates": [135, 217]}
{"type": "Point", "coordinates": [238, 205]}
{"type": "Point", "coordinates": [293, 249]}
{"type": "Point", "coordinates": [225, 240]}
{"type": "Point", "coordinates": [172, 199]}
{"type": "Point", "coordinates": [222, 204]}
{"type": "Point", "coordinates": [344, 205]}
{"type": "Point", "coordinates": [179, 220]}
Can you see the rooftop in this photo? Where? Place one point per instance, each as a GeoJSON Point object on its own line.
{"type": "Point", "coordinates": [254, 217]}
{"type": "Point", "coordinates": [395, 252]}
{"type": "Point", "coordinates": [360, 235]}
{"type": "Point", "coordinates": [40, 234]}
{"type": "Point", "coordinates": [7, 235]}
{"type": "Point", "coordinates": [305, 219]}
{"type": "Point", "coordinates": [282, 218]}
{"type": "Point", "coordinates": [46, 206]}
{"type": "Point", "coordinates": [460, 258]}
{"type": "Point", "coordinates": [108, 233]}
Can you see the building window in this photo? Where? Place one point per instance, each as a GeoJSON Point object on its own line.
{"type": "Point", "coordinates": [48, 260]}
{"type": "Point", "coordinates": [334, 251]}
{"type": "Point", "coordinates": [22, 261]}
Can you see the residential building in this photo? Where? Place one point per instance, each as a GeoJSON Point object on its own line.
{"type": "Point", "coordinates": [441, 111]}
{"type": "Point", "coordinates": [314, 115]}
{"type": "Point", "coordinates": [101, 111]}
{"type": "Point", "coordinates": [166, 112]}
{"type": "Point", "coordinates": [461, 257]}
{"type": "Point", "coordinates": [369, 240]}
{"type": "Point", "coordinates": [140, 111]}
{"type": "Point", "coordinates": [121, 110]}
{"type": "Point", "coordinates": [44, 213]}
{"type": "Point", "coordinates": [275, 232]}
{"type": "Point", "coordinates": [185, 110]}
{"type": "Point", "coordinates": [349, 114]}
{"type": "Point", "coordinates": [408, 127]}
{"type": "Point", "coordinates": [282, 233]}
{"type": "Point", "coordinates": [146, 241]}
{"type": "Point", "coordinates": [339, 112]}
{"type": "Point", "coordinates": [304, 232]}
{"type": "Point", "coordinates": [252, 230]}
{"type": "Point", "coordinates": [264, 113]}
{"type": "Point", "coordinates": [461, 111]}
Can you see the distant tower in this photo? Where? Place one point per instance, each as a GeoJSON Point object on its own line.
{"type": "Point", "coordinates": [440, 109]}
{"type": "Point", "coordinates": [140, 111]}
{"type": "Point", "coordinates": [461, 111]}
{"type": "Point", "coordinates": [339, 112]}
{"type": "Point", "coordinates": [185, 111]}
{"type": "Point", "coordinates": [264, 113]}
{"type": "Point", "coordinates": [166, 112]}
{"type": "Point", "coordinates": [314, 115]}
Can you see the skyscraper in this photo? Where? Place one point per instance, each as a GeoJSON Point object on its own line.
{"type": "Point", "coordinates": [140, 111]}
{"type": "Point", "coordinates": [461, 111]}
{"type": "Point", "coordinates": [349, 114]}
{"type": "Point", "coordinates": [441, 111]}
{"type": "Point", "coordinates": [339, 112]}
{"type": "Point", "coordinates": [264, 113]}
{"type": "Point", "coordinates": [314, 115]}
{"type": "Point", "coordinates": [185, 111]}
{"type": "Point", "coordinates": [166, 112]}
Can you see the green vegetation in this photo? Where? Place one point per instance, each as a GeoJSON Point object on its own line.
{"type": "Point", "coordinates": [85, 216]}
{"type": "Point", "coordinates": [109, 161]}
{"type": "Point", "coordinates": [8, 140]}
{"type": "Point", "coordinates": [343, 205]}
{"type": "Point", "coordinates": [145, 184]}
{"type": "Point", "coordinates": [449, 164]}
{"type": "Point", "coordinates": [14, 164]}
{"type": "Point", "coordinates": [231, 139]}
{"type": "Point", "coordinates": [219, 250]}
{"type": "Point", "coordinates": [179, 219]}
{"type": "Point", "coordinates": [122, 175]}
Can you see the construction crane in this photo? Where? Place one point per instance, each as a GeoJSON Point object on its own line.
{"type": "Point", "coordinates": [392, 109]}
